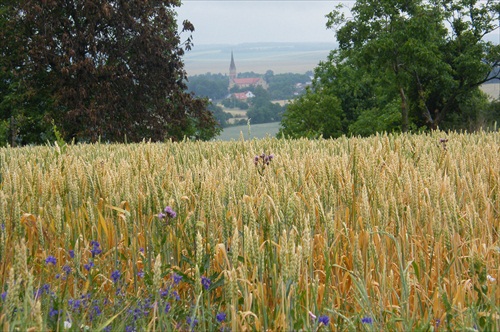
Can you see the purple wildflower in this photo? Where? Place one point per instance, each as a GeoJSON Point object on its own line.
{"type": "Point", "coordinates": [164, 292]}
{"type": "Point", "coordinates": [89, 266]}
{"type": "Point", "coordinates": [4, 295]}
{"type": "Point", "coordinates": [50, 260]}
{"type": "Point", "coordinates": [170, 212]}
{"type": "Point", "coordinates": [96, 248]}
{"type": "Point", "coordinates": [192, 322]}
{"type": "Point", "coordinates": [140, 274]}
{"type": "Point", "coordinates": [205, 282]}
{"type": "Point", "coordinates": [67, 269]}
{"type": "Point", "coordinates": [44, 289]}
{"type": "Point", "coordinates": [167, 308]}
{"type": "Point", "coordinates": [115, 275]}
{"type": "Point", "coordinates": [176, 296]}
{"type": "Point", "coordinates": [177, 278]}
{"type": "Point", "coordinates": [161, 215]}
{"type": "Point", "coordinates": [325, 320]}
{"type": "Point", "coordinates": [54, 312]}
{"type": "Point", "coordinates": [72, 253]}
{"type": "Point", "coordinates": [367, 320]}
{"type": "Point", "coordinates": [221, 316]}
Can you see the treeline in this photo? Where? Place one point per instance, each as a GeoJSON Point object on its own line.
{"type": "Point", "coordinates": [280, 86]}
{"type": "Point", "coordinates": [405, 66]}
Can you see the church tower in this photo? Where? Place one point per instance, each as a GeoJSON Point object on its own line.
{"type": "Point", "coordinates": [232, 68]}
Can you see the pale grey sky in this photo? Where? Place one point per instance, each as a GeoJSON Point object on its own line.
{"type": "Point", "coordinates": [247, 21]}
{"type": "Point", "coordinates": [239, 21]}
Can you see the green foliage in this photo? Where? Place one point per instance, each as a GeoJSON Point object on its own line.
{"type": "Point", "coordinates": [313, 115]}
{"type": "Point", "coordinates": [234, 103]}
{"type": "Point", "coordinates": [262, 109]}
{"type": "Point", "coordinates": [282, 86]}
{"type": "Point", "coordinates": [377, 120]}
{"type": "Point", "coordinates": [213, 86]}
{"type": "Point", "coordinates": [100, 71]}
{"type": "Point", "coordinates": [402, 55]}
{"type": "Point", "coordinates": [220, 115]}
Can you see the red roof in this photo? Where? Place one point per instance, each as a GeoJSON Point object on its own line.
{"type": "Point", "coordinates": [243, 95]}
{"type": "Point", "coordinates": [249, 80]}
{"type": "Point", "coordinates": [240, 95]}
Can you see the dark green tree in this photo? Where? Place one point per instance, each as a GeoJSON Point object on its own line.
{"type": "Point", "coordinates": [406, 65]}
{"type": "Point", "coordinates": [313, 115]}
{"type": "Point", "coordinates": [219, 114]}
{"type": "Point", "coordinates": [102, 69]}
{"type": "Point", "coordinates": [432, 68]}
{"type": "Point", "coordinates": [213, 86]}
{"type": "Point", "coordinates": [262, 110]}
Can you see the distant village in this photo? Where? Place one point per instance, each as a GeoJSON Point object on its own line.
{"type": "Point", "coordinates": [250, 82]}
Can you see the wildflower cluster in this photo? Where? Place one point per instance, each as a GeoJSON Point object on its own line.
{"type": "Point", "coordinates": [262, 161]}
{"type": "Point", "coordinates": [443, 142]}
{"type": "Point", "coordinates": [167, 214]}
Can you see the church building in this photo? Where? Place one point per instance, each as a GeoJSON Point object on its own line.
{"type": "Point", "coordinates": [243, 82]}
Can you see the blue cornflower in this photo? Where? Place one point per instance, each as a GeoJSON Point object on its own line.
{"type": "Point", "coordinates": [221, 316]}
{"type": "Point", "coordinates": [44, 289]}
{"type": "Point", "coordinates": [96, 248]}
{"type": "Point", "coordinates": [75, 304]}
{"type": "Point", "coordinates": [89, 266]}
{"type": "Point", "coordinates": [325, 320]}
{"type": "Point", "coordinates": [164, 292]}
{"type": "Point", "coordinates": [51, 260]}
{"type": "Point", "coordinates": [205, 282]}
{"type": "Point", "coordinates": [167, 307]}
{"type": "Point", "coordinates": [72, 253]}
{"type": "Point", "coordinates": [97, 310]}
{"type": "Point", "coordinates": [66, 269]}
{"type": "Point", "coordinates": [53, 312]}
{"type": "Point", "coordinates": [192, 322]}
{"type": "Point", "coordinates": [177, 278]}
{"type": "Point", "coordinates": [367, 320]}
{"type": "Point", "coordinates": [115, 275]}
{"type": "Point", "coordinates": [176, 295]}
{"type": "Point", "coordinates": [4, 295]}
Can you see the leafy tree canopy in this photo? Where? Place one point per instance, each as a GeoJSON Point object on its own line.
{"type": "Point", "coordinates": [425, 58]}
{"type": "Point", "coordinates": [213, 86]}
{"type": "Point", "coordinates": [98, 69]}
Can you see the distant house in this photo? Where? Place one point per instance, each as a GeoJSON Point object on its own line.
{"type": "Point", "coordinates": [242, 83]}
{"type": "Point", "coordinates": [243, 96]}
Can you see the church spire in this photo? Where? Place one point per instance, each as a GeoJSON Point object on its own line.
{"type": "Point", "coordinates": [232, 68]}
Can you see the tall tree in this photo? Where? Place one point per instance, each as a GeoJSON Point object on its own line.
{"type": "Point", "coordinates": [432, 65]}
{"type": "Point", "coordinates": [109, 69]}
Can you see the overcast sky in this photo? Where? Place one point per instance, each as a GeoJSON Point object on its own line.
{"type": "Point", "coordinates": [239, 21]}
{"type": "Point", "coordinates": [247, 21]}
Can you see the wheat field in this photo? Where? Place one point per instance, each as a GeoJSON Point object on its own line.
{"type": "Point", "coordinates": [391, 232]}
